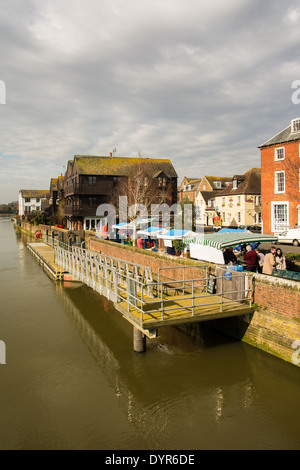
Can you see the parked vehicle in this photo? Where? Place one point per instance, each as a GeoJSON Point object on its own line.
{"type": "Point", "coordinates": [252, 228]}
{"type": "Point", "coordinates": [291, 236]}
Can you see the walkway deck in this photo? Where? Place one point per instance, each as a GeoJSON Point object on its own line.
{"type": "Point", "coordinates": [177, 311]}
{"type": "Point", "coordinates": [46, 256]}
{"type": "Point", "coordinates": [146, 303]}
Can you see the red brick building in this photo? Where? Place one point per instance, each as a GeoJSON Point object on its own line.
{"type": "Point", "coordinates": [280, 180]}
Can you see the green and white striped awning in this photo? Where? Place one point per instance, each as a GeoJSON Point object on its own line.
{"type": "Point", "coordinates": [225, 240]}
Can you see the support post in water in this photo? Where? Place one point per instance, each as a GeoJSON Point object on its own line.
{"type": "Point", "coordinates": [139, 340]}
{"type": "Point", "coordinates": [2, 352]}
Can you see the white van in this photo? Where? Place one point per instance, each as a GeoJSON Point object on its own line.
{"type": "Point", "coordinates": [290, 236]}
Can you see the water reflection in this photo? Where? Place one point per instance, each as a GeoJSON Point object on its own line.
{"type": "Point", "coordinates": [74, 381]}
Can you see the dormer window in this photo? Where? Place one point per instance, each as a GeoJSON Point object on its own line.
{"type": "Point", "coordinates": [218, 184]}
{"type": "Point", "coordinates": [295, 126]}
{"type": "Point", "coordinates": [279, 153]}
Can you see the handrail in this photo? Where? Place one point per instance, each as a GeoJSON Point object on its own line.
{"type": "Point", "coordinates": [99, 270]}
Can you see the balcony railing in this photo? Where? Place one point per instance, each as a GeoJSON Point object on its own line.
{"type": "Point", "coordinates": [102, 188]}
{"type": "Point", "coordinates": [82, 210]}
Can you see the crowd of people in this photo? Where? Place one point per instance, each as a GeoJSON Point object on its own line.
{"type": "Point", "coordinates": [256, 261]}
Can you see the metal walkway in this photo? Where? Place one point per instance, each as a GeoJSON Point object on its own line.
{"type": "Point", "coordinates": [150, 303]}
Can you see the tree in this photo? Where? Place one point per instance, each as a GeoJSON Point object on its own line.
{"type": "Point", "coordinates": [134, 195]}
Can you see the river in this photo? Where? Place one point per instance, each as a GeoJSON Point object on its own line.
{"type": "Point", "coordinates": [72, 380]}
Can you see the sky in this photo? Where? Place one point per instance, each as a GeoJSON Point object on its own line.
{"type": "Point", "coordinates": [202, 83]}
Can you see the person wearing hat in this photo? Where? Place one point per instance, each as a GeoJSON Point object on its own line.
{"type": "Point", "coordinates": [251, 259]}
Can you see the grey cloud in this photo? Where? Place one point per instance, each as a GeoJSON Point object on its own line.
{"type": "Point", "coordinates": [202, 83]}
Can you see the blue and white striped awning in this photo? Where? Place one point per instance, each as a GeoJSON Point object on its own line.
{"type": "Point", "coordinates": [224, 240]}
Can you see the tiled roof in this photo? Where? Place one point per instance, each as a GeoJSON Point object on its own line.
{"type": "Point", "coordinates": [41, 193]}
{"type": "Point", "coordinates": [121, 166]}
{"type": "Point", "coordinates": [284, 136]}
{"type": "Point", "coordinates": [209, 195]}
{"type": "Point", "coordinates": [53, 184]}
{"type": "Point", "coordinates": [251, 183]}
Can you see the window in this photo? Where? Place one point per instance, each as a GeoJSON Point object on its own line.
{"type": "Point", "coordinates": [92, 180]}
{"type": "Point", "coordinates": [279, 182]}
{"type": "Point", "coordinates": [280, 216]}
{"type": "Point", "coordinates": [223, 217]}
{"type": "Point", "coordinates": [223, 201]}
{"type": "Point", "coordinates": [239, 217]}
{"type": "Point", "coordinates": [92, 201]}
{"type": "Point", "coordinates": [218, 184]}
{"type": "Point", "coordinates": [279, 153]}
{"type": "Point", "coordinates": [239, 200]}
{"type": "Point", "coordinates": [27, 199]}
{"type": "Point", "coordinates": [296, 125]}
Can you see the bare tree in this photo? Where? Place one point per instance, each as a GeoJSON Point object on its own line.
{"type": "Point", "coordinates": [134, 194]}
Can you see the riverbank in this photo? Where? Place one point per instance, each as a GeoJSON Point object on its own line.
{"type": "Point", "coordinates": [274, 327]}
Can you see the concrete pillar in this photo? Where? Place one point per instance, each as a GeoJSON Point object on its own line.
{"type": "Point", "coordinates": [139, 340]}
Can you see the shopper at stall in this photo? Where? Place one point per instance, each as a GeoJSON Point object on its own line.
{"type": "Point", "coordinates": [269, 261]}
{"type": "Point", "coordinates": [280, 260]}
{"type": "Point", "coordinates": [251, 259]}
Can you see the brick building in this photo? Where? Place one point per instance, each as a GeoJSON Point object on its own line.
{"type": "Point", "coordinates": [280, 180]}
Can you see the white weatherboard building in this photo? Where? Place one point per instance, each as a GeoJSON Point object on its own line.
{"type": "Point", "coordinates": [32, 200]}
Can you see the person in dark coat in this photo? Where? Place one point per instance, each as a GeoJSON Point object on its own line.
{"type": "Point", "coordinates": [251, 259]}
{"type": "Point", "coordinates": [229, 256]}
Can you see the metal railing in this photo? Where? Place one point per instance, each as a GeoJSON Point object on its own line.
{"type": "Point", "coordinates": [122, 281]}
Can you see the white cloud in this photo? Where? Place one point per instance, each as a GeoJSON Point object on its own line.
{"type": "Point", "coordinates": [202, 83]}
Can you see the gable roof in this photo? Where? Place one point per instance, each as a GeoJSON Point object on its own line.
{"type": "Point", "coordinates": [34, 193]}
{"type": "Point", "coordinates": [286, 135]}
{"type": "Point", "coordinates": [121, 166]}
{"type": "Point", "coordinates": [194, 182]}
{"type": "Point", "coordinates": [250, 183]}
{"type": "Point", "coordinates": [208, 195]}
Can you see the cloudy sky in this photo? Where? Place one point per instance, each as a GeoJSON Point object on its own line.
{"type": "Point", "coordinates": [202, 82]}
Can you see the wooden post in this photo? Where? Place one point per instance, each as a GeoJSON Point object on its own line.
{"type": "Point", "coordinates": [139, 340]}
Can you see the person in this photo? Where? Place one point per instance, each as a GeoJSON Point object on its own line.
{"type": "Point", "coordinates": [269, 261]}
{"type": "Point", "coordinates": [229, 256]}
{"type": "Point", "coordinates": [280, 260]}
{"type": "Point", "coordinates": [252, 259]}
{"type": "Point", "coordinates": [261, 257]}
{"type": "Point", "coordinates": [140, 243]}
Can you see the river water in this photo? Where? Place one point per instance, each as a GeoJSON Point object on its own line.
{"type": "Point", "coordinates": [72, 380]}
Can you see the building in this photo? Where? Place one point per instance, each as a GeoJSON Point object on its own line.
{"type": "Point", "coordinates": [207, 191]}
{"type": "Point", "coordinates": [94, 180]}
{"type": "Point", "coordinates": [56, 186]}
{"type": "Point", "coordinates": [188, 189]}
{"type": "Point", "coordinates": [280, 179]}
{"type": "Point", "coordinates": [33, 200]}
{"type": "Point", "coordinates": [240, 202]}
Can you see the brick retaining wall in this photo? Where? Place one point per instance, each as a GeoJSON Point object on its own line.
{"type": "Point", "coordinates": [275, 323]}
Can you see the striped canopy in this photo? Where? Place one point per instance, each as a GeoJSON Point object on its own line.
{"type": "Point", "coordinates": [224, 240]}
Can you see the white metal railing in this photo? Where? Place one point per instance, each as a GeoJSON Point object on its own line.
{"type": "Point", "coordinates": [122, 281]}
